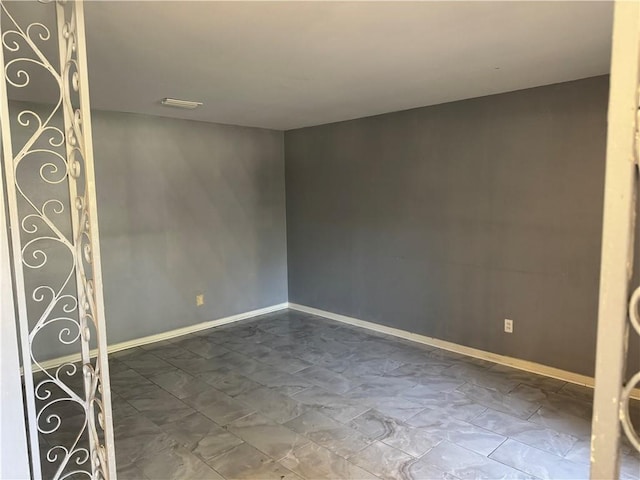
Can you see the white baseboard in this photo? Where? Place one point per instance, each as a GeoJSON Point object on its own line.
{"type": "Point", "coordinates": [517, 363]}
{"type": "Point", "coordinates": [178, 332]}
{"type": "Point", "coordinates": [525, 365]}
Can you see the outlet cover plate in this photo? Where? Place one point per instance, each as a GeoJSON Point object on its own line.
{"type": "Point", "coordinates": [508, 325]}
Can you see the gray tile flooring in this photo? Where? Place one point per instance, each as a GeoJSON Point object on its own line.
{"type": "Point", "coordinates": [290, 396]}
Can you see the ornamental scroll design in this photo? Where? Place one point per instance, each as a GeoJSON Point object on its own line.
{"type": "Point", "coordinates": [53, 199]}
{"type": "Point", "coordinates": [634, 381]}
{"type": "Point", "coordinates": [634, 319]}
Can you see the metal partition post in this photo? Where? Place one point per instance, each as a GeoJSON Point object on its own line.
{"type": "Point", "coordinates": [617, 240]}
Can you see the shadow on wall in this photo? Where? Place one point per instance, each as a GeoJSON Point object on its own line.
{"type": "Point", "coordinates": [446, 220]}
{"type": "Point", "coordinates": [185, 208]}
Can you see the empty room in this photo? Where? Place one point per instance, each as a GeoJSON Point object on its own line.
{"type": "Point", "coordinates": [319, 240]}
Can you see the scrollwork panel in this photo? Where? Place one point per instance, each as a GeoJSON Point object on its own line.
{"type": "Point", "coordinates": [47, 158]}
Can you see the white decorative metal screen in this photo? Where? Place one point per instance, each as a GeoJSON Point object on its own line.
{"type": "Point", "coordinates": [618, 312]}
{"type": "Point", "coordinates": [49, 179]}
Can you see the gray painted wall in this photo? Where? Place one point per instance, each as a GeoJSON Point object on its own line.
{"type": "Point", "coordinates": [446, 220]}
{"type": "Point", "coordinates": [184, 208]}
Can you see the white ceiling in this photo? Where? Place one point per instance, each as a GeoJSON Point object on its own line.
{"type": "Point", "coordinates": [286, 65]}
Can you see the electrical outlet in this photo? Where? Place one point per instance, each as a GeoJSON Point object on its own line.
{"type": "Point", "coordinates": [200, 300]}
{"type": "Point", "coordinates": [508, 325]}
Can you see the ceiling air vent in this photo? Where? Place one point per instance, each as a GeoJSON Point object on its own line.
{"type": "Point", "coordinates": [174, 102]}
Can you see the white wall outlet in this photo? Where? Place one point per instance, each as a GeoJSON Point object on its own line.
{"type": "Point", "coordinates": [200, 300]}
{"type": "Point", "coordinates": [508, 325]}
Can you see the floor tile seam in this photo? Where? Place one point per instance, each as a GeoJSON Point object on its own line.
{"type": "Point", "coordinates": [221, 393]}
{"type": "Point", "coordinates": [333, 391]}
{"type": "Point", "coordinates": [259, 385]}
{"type": "Point", "coordinates": [353, 431]}
{"type": "Point", "coordinates": [365, 468]}
{"type": "Point", "coordinates": [534, 425]}
{"type": "Point", "coordinates": [279, 459]}
{"type": "Point", "coordinates": [141, 413]}
{"type": "Point", "coordinates": [439, 408]}
{"type": "Point", "coordinates": [576, 440]}
{"type": "Point", "coordinates": [298, 371]}
{"type": "Point", "coordinates": [197, 353]}
{"type": "Point", "coordinates": [488, 457]}
{"type": "Point", "coordinates": [267, 364]}
{"type": "Point", "coordinates": [501, 443]}
{"type": "Point", "coordinates": [564, 383]}
{"type": "Point", "coordinates": [419, 413]}
{"type": "Point", "coordinates": [484, 412]}
{"type": "Point", "coordinates": [364, 382]}
{"type": "Point", "coordinates": [191, 377]}
{"type": "Point", "coordinates": [291, 395]}
{"type": "Point", "coordinates": [311, 440]}
{"type": "Point", "coordinates": [571, 399]}
{"type": "Point", "coordinates": [466, 382]}
{"type": "Point", "coordinates": [199, 456]}
{"type": "Point", "coordinates": [273, 390]}
{"type": "Point", "coordinates": [563, 412]}
{"type": "Point", "coordinates": [485, 429]}
{"type": "Point", "coordinates": [217, 425]}
{"type": "Point", "coordinates": [143, 352]}
{"type": "Point", "coordinates": [472, 380]}
{"type": "Point", "coordinates": [162, 450]}
{"type": "Point", "coordinates": [130, 405]}
{"type": "Point", "coordinates": [237, 350]}
{"type": "Point", "coordinates": [538, 406]}
{"type": "Point", "coordinates": [544, 452]}
{"type": "Point", "coordinates": [521, 384]}
{"type": "Point", "coordinates": [190, 450]}
{"type": "Point", "coordinates": [428, 429]}
{"type": "Point", "coordinates": [346, 423]}
{"type": "Point", "coordinates": [167, 391]}
{"type": "Point", "coordinates": [201, 376]}
{"type": "Point", "coordinates": [413, 460]}
{"type": "Point", "coordinates": [528, 475]}
{"type": "Point", "coordinates": [534, 413]}
{"type": "Point", "coordinates": [434, 446]}
{"type": "Point", "coordinates": [170, 362]}
{"type": "Point", "coordinates": [571, 449]}
{"type": "Point", "coordinates": [167, 358]}
{"type": "Point", "coordinates": [347, 346]}
{"type": "Point", "coordinates": [173, 367]}
{"type": "Point", "coordinates": [552, 393]}
{"type": "Point", "coordinates": [229, 449]}
{"type": "Point", "coordinates": [159, 425]}
{"type": "Point", "coordinates": [236, 420]}
{"type": "Point", "coordinates": [301, 391]}
{"type": "Point", "coordinates": [252, 389]}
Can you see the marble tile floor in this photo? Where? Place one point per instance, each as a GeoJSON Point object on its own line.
{"type": "Point", "coordinates": [294, 396]}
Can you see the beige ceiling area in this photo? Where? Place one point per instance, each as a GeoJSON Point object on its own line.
{"type": "Point", "coordinates": [286, 65]}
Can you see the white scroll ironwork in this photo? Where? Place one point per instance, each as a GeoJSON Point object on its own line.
{"type": "Point", "coordinates": [51, 198]}
{"type": "Point", "coordinates": [634, 319]}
